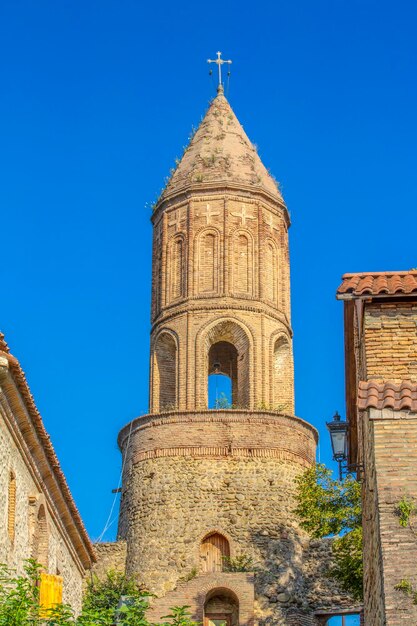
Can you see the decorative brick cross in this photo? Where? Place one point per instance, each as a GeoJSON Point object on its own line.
{"type": "Point", "coordinates": [208, 214]}
{"type": "Point", "coordinates": [269, 220]}
{"type": "Point", "coordinates": [177, 220]}
{"type": "Point", "coordinates": [243, 215]}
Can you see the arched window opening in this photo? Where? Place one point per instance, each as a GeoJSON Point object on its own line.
{"type": "Point", "coordinates": [40, 539]}
{"type": "Point", "coordinates": [165, 373]}
{"type": "Point", "coordinates": [214, 550]}
{"type": "Point", "coordinates": [282, 372]}
{"type": "Point", "coordinates": [221, 608]}
{"type": "Point", "coordinates": [219, 391]}
{"type": "Point", "coordinates": [226, 351]}
{"type": "Point", "coordinates": [11, 512]}
{"type": "Point", "coordinates": [271, 272]}
{"type": "Point", "coordinates": [222, 375]}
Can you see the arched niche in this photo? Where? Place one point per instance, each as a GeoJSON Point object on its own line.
{"type": "Point", "coordinates": [221, 608]}
{"type": "Point", "coordinates": [176, 268]}
{"type": "Point", "coordinates": [156, 271]}
{"type": "Point", "coordinates": [282, 373]}
{"type": "Point", "coordinates": [11, 507]}
{"type": "Point", "coordinates": [270, 271]}
{"type": "Point", "coordinates": [165, 377]}
{"type": "Point", "coordinates": [214, 550]}
{"type": "Point", "coordinates": [207, 254]}
{"type": "Point", "coordinates": [40, 543]}
{"type": "Point", "coordinates": [242, 263]}
{"type": "Point", "coordinates": [227, 345]}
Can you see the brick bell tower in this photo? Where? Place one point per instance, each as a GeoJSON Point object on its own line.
{"type": "Point", "coordinates": [203, 487]}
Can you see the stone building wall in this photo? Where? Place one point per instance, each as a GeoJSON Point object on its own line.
{"type": "Point", "coordinates": [390, 333]}
{"type": "Point", "coordinates": [241, 486]}
{"type": "Point", "coordinates": [60, 557]}
{"type": "Point", "coordinates": [111, 556]}
{"type": "Point", "coordinates": [391, 553]}
{"type": "Point", "coordinates": [381, 376]}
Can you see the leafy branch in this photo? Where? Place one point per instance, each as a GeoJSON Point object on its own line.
{"type": "Point", "coordinates": [328, 507]}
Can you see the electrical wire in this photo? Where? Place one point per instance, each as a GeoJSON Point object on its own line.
{"type": "Point", "coordinates": [109, 521]}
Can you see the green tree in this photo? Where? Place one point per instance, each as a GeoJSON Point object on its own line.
{"type": "Point", "coordinates": [19, 596]}
{"type": "Point", "coordinates": [19, 603]}
{"type": "Point", "coordinates": [106, 593]}
{"type": "Point", "coordinates": [330, 507]}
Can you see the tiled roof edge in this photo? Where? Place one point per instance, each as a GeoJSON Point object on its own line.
{"type": "Point", "coordinates": [24, 390]}
{"type": "Point", "coordinates": [387, 395]}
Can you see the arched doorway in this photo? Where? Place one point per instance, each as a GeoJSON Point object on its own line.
{"type": "Point", "coordinates": [221, 608]}
{"type": "Point", "coordinates": [214, 549]}
{"type": "Point", "coordinates": [165, 373]}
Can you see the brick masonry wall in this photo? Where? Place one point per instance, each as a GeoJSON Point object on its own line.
{"type": "Point", "coordinates": [390, 332]}
{"type": "Point", "coordinates": [28, 501]}
{"type": "Point", "coordinates": [193, 594]}
{"type": "Point", "coordinates": [394, 436]}
{"type": "Point", "coordinates": [229, 276]}
{"type": "Point", "coordinates": [219, 434]}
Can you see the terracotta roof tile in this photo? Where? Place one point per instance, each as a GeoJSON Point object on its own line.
{"type": "Point", "coordinates": [377, 284]}
{"type": "Point", "coordinates": [386, 395]}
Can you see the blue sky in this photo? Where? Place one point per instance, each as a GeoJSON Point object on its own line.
{"type": "Point", "coordinates": [97, 99]}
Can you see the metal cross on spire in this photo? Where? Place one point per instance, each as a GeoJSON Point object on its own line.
{"type": "Point", "coordinates": [219, 62]}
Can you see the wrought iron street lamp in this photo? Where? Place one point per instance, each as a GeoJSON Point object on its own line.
{"type": "Point", "coordinates": [338, 437]}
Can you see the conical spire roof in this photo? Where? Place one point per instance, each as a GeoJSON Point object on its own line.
{"type": "Point", "coordinates": [220, 152]}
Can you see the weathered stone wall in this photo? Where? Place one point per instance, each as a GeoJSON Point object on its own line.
{"type": "Point", "coordinates": [392, 551]}
{"type": "Point", "coordinates": [111, 556]}
{"type": "Point", "coordinates": [29, 499]}
{"type": "Point", "coordinates": [172, 503]}
{"type": "Point", "coordinates": [390, 331]}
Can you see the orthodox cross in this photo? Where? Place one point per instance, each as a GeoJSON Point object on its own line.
{"type": "Point", "coordinates": [243, 215]}
{"type": "Point", "coordinates": [176, 221]}
{"type": "Point", "coordinates": [208, 214]}
{"type": "Point", "coordinates": [219, 62]}
{"type": "Point", "coordinates": [269, 220]}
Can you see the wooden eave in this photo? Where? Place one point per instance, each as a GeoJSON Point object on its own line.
{"type": "Point", "coordinates": [351, 382]}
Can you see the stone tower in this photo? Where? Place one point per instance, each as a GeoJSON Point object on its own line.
{"type": "Point", "coordinates": [204, 488]}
